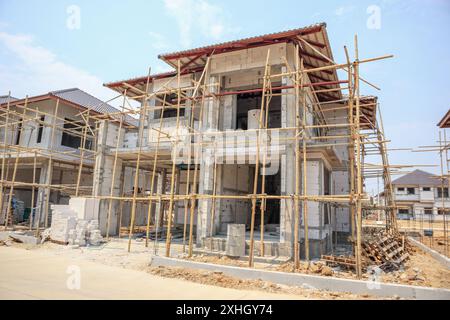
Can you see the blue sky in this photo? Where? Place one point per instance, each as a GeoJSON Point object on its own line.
{"type": "Point", "coordinates": [40, 50]}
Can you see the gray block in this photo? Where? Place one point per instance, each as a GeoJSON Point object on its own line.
{"type": "Point", "coordinates": [235, 240]}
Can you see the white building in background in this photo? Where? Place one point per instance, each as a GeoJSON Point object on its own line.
{"type": "Point", "coordinates": [419, 194]}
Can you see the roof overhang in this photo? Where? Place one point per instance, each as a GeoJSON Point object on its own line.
{"type": "Point", "coordinates": [445, 121]}
{"type": "Point", "coordinates": [50, 96]}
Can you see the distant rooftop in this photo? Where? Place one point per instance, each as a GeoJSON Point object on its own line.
{"type": "Point", "coordinates": [4, 99]}
{"type": "Point", "coordinates": [419, 177]}
{"type": "Point", "coordinates": [445, 121]}
{"type": "Point", "coordinates": [79, 98]}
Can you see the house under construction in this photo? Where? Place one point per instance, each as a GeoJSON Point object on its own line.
{"type": "Point", "coordinates": [256, 140]}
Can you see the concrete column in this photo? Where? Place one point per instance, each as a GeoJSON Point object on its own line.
{"type": "Point", "coordinates": [229, 112]}
{"type": "Point", "coordinates": [103, 172]}
{"type": "Point", "coordinates": [176, 191]}
{"type": "Point", "coordinates": [160, 189]}
{"type": "Point", "coordinates": [287, 210]}
{"type": "Point", "coordinates": [205, 205]}
{"type": "Point", "coordinates": [43, 193]}
{"type": "Point", "coordinates": [211, 109]}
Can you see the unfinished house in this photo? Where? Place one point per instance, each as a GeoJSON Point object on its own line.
{"type": "Point", "coordinates": [48, 144]}
{"type": "Point", "coordinates": [248, 147]}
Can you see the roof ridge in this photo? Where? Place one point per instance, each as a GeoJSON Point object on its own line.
{"type": "Point", "coordinates": [64, 90]}
{"type": "Point", "coordinates": [319, 24]}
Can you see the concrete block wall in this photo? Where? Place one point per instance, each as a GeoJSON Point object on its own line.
{"type": "Point", "coordinates": [342, 215]}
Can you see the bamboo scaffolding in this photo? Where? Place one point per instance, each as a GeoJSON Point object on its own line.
{"type": "Point", "coordinates": [362, 136]}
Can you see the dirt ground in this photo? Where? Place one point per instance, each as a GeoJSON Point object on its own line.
{"type": "Point", "coordinates": [219, 279]}
{"type": "Point", "coordinates": [414, 226]}
{"type": "Point", "coordinates": [435, 243]}
{"type": "Point", "coordinates": [421, 270]}
{"type": "Point", "coordinates": [115, 254]}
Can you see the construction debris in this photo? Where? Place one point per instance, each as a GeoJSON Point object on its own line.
{"type": "Point", "coordinates": [385, 251]}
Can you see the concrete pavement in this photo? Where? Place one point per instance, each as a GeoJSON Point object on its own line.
{"type": "Point", "coordinates": [31, 274]}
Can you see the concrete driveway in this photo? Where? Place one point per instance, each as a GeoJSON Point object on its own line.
{"type": "Point", "coordinates": [31, 274]}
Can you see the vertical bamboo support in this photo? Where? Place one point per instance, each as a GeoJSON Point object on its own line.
{"type": "Point", "coordinates": [172, 177]}
{"type": "Point", "coordinates": [113, 178]}
{"type": "Point", "coordinates": [298, 83]}
{"type": "Point", "coordinates": [152, 186]}
{"type": "Point", "coordinates": [391, 220]}
{"type": "Point", "coordinates": [33, 190]}
{"type": "Point", "coordinates": [351, 149]}
{"type": "Point", "coordinates": [122, 194]}
{"type": "Point", "coordinates": [444, 211]}
{"type": "Point", "coordinates": [267, 95]}
{"type": "Point", "coordinates": [82, 151]}
{"type": "Point", "coordinates": [448, 186]}
{"type": "Point", "coordinates": [16, 163]}
{"type": "Point", "coordinates": [188, 176]}
{"type": "Point", "coordinates": [205, 77]}
{"type": "Point", "coordinates": [142, 114]}
{"type": "Point", "coordinates": [255, 178]}
{"type": "Point", "coordinates": [5, 153]}
{"type": "Point", "coordinates": [305, 176]}
{"type": "Point", "coordinates": [50, 166]}
{"type": "Point", "coordinates": [213, 198]}
{"type": "Point", "coordinates": [358, 165]}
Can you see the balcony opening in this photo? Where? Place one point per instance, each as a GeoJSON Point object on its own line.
{"type": "Point", "coordinates": [74, 140]}
{"type": "Point", "coordinates": [411, 191]}
{"type": "Point", "coordinates": [252, 101]}
{"type": "Point", "coordinates": [170, 103]}
{"type": "Point", "coordinates": [442, 194]}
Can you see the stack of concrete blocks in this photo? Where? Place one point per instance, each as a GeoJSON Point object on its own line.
{"type": "Point", "coordinates": [76, 223]}
{"type": "Point", "coordinates": [236, 240]}
{"type": "Point", "coordinates": [64, 220]}
{"type": "Point", "coordinates": [17, 214]}
{"type": "Point", "coordinates": [93, 233]}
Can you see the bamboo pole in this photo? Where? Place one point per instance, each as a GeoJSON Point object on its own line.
{"type": "Point", "coordinates": [194, 196]}
{"type": "Point", "coordinates": [83, 144]}
{"type": "Point", "coordinates": [113, 178]}
{"type": "Point", "coordinates": [444, 211]}
{"type": "Point", "coordinates": [152, 186]}
{"type": "Point", "coordinates": [143, 112]}
{"type": "Point", "coordinates": [267, 94]}
{"type": "Point", "coordinates": [213, 209]}
{"type": "Point", "coordinates": [448, 186]}
{"type": "Point", "coordinates": [50, 165]}
{"type": "Point", "coordinates": [16, 163]}
{"type": "Point", "coordinates": [255, 178]}
{"type": "Point", "coordinates": [5, 140]}
{"type": "Point", "coordinates": [358, 165]}
{"type": "Point", "coordinates": [188, 176]}
{"type": "Point", "coordinates": [33, 191]}
{"type": "Point", "coordinates": [172, 177]}
{"type": "Point", "coordinates": [298, 79]}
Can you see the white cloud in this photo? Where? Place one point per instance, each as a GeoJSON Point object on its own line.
{"type": "Point", "coordinates": [159, 42]}
{"type": "Point", "coordinates": [344, 10]}
{"type": "Point", "coordinates": [35, 70]}
{"type": "Point", "coordinates": [198, 16]}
